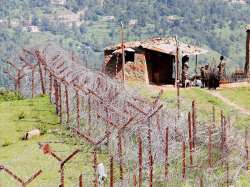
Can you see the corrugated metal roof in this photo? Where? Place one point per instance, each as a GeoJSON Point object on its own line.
{"type": "Point", "coordinates": [163, 45]}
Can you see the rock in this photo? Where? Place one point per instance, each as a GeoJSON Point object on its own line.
{"type": "Point", "coordinates": [31, 134]}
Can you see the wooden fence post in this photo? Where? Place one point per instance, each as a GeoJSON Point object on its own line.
{"type": "Point", "coordinates": [41, 77]}
{"type": "Point", "coordinates": [111, 182]}
{"type": "Point", "coordinates": [183, 160]}
{"type": "Point", "coordinates": [50, 86]}
{"type": "Point", "coordinates": [227, 173]}
{"type": "Point", "coordinates": [78, 110]}
{"type": "Point", "coordinates": [56, 95]}
{"type": "Point", "coordinates": [209, 147]}
{"type": "Point", "coordinates": [140, 160]}
{"type": "Point", "coordinates": [134, 175]}
{"type": "Point", "coordinates": [190, 139]}
{"type": "Point", "coordinates": [89, 115]}
{"type": "Point", "coordinates": [222, 135]}
{"type": "Point", "coordinates": [60, 102]}
{"type": "Point", "coordinates": [81, 181]}
{"type": "Point", "coordinates": [67, 104]}
{"type": "Point", "coordinates": [33, 82]}
{"type": "Point", "coordinates": [194, 123]}
{"type": "Point", "coordinates": [166, 152]}
{"type": "Point", "coordinates": [120, 154]}
{"type": "Point", "coordinates": [213, 117]}
{"type": "Point", "coordinates": [150, 157]}
{"type": "Point", "coordinates": [95, 168]}
{"type": "Point", "coordinates": [246, 148]}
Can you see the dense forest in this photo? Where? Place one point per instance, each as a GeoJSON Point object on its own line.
{"type": "Point", "coordinates": [87, 26]}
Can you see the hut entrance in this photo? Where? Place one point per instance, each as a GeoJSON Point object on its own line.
{"type": "Point", "coordinates": [160, 68]}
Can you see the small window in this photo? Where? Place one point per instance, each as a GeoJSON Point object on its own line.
{"type": "Point", "coordinates": [129, 56]}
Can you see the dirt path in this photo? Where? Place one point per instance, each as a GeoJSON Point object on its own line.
{"type": "Point", "coordinates": [228, 102]}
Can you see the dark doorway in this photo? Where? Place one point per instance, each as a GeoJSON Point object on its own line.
{"type": "Point", "coordinates": [160, 67]}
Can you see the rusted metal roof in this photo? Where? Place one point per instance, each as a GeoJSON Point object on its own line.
{"type": "Point", "coordinates": [163, 45]}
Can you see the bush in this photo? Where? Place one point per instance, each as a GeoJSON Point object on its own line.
{"type": "Point", "coordinates": [21, 116]}
{"type": "Point", "coordinates": [10, 96]}
{"type": "Point", "coordinates": [6, 143]}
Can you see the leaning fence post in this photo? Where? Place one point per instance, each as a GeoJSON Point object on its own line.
{"type": "Point", "coordinates": [62, 164]}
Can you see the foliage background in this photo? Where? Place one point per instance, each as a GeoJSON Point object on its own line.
{"type": "Point", "coordinates": [215, 24]}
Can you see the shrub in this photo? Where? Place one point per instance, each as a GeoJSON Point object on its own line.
{"type": "Point", "coordinates": [21, 116]}
{"type": "Point", "coordinates": [10, 96]}
{"type": "Point", "coordinates": [6, 143]}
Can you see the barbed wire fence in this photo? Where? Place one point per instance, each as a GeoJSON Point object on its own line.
{"type": "Point", "coordinates": [144, 141]}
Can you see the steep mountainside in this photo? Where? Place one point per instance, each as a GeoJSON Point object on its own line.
{"type": "Point", "coordinates": [87, 26]}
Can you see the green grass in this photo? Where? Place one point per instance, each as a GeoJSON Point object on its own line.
{"type": "Point", "coordinates": [204, 101]}
{"type": "Point", "coordinates": [18, 116]}
{"type": "Point", "coordinates": [240, 96]}
{"type": "Point", "coordinates": [25, 157]}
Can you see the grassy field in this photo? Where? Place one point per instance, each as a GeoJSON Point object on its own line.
{"type": "Point", "coordinates": [204, 101]}
{"type": "Point", "coordinates": [18, 116]}
{"type": "Point", "coordinates": [240, 96]}
{"type": "Point", "coordinates": [25, 157]}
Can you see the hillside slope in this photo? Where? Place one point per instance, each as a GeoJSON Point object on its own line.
{"type": "Point", "coordinates": [25, 158]}
{"type": "Point", "coordinates": [205, 100]}
{"type": "Point", "coordinates": [88, 26]}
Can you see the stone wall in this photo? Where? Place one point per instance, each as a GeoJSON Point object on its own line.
{"type": "Point", "coordinates": [135, 71]}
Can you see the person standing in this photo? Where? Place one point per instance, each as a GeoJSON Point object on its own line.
{"type": "Point", "coordinates": [221, 68]}
{"type": "Point", "coordinates": [206, 75]}
{"type": "Point", "coordinates": [185, 67]}
{"type": "Point", "coordinates": [202, 71]}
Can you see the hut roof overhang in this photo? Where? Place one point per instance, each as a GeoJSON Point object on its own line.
{"type": "Point", "coordinates": [163, 45]}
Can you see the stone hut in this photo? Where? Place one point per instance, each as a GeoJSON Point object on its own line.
{"type": "Point", "coordinates": [151, 61]}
